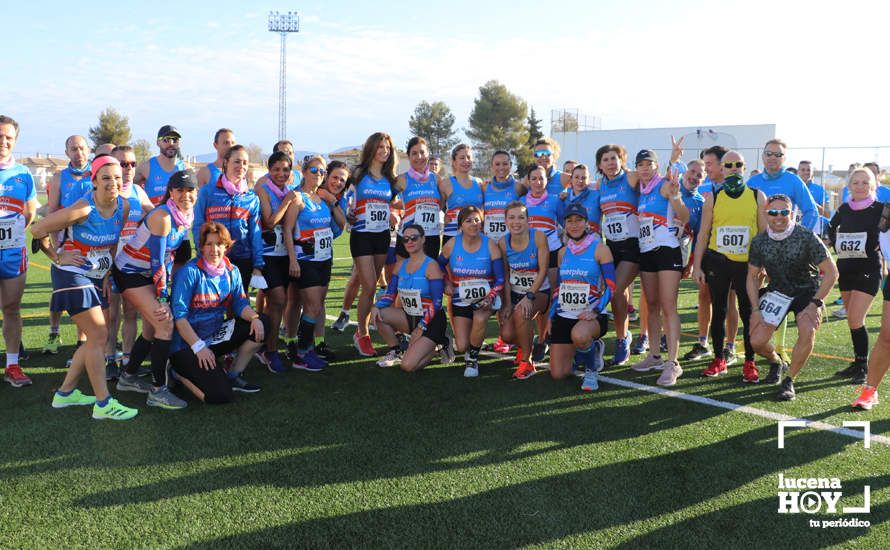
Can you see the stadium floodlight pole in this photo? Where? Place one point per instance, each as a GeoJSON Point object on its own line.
{"type": "Point", "coordinates": [283, 23]}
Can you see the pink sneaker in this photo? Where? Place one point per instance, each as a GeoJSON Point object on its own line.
{"type": "Point", "coordinates": [501, 347]}
{"type": "Point", "coordinates": [363, 345]}
{"type": "Point", "coordinates": [867, 399]}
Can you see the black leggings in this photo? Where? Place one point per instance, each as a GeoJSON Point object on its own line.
{"type": "Point", "coordinates": [214, 382]}
{"type": "Point", "coordinates": [723, 274]}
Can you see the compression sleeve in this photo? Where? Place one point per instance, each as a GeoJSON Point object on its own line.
{"type": "Point", "coordinates": [437, 289]}
{"type": "Point", "coordinates": [608, 270]}
{"type": "Point", "coordinates": [389, 296]}
{"type": "Point", "coordinates": [443, 261]}
{"type": "Point", "coordinates": [157, 249]}
{"type": "Point", "coordinates": [497, 268]}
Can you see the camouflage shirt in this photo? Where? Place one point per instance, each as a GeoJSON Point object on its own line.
{"type": "Point", "coordinates": [791, 264]}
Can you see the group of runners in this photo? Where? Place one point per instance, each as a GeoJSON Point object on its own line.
{"type": "Point", "coordinates": [551, 255]}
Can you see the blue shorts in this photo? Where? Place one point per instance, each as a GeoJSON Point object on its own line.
{"type": "Point", "coordinates": [13, 262]}
{"type": "Point", "coordinates": [75, 293]}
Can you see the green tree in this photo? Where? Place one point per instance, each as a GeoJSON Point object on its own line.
{"type": "Point", "coordinates": [142, 149]}
{"type": "Point", "coordinates": [113, 128]}
{"type": "Point", "coordinates": [434, 122]}
{"type": "Point", "coordinates": [497, 121]}
{"type": "Point", "coordinates": [524, 157]}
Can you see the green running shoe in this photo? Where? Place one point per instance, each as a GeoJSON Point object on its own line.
{"type": "Point", "coordinates": [72, 399]}
{"type": "Point", "coordinates": [52, 345]}
{"type": "Point", "coordinates": [113, 411]}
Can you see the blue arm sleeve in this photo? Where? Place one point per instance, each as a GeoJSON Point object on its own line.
{"type": "Point", "coordinates": [437, 289]}
{"type": "Point", "coordinates": [390, 295]}
{"type": "Point", "coordinates": [200, 206]}
{"type": "Point", "coordinates": [497, 268]}
{"type": "Point", "coordinates": [608, 270]}
{"type": "Point", "coordinates": [157, 250]}
{"type": "Point", "coordinates": [183, 284]}
{"type": "Point", "coordinates": [443, 261]}
{"type": "Point", "coordinates": [255, 235]}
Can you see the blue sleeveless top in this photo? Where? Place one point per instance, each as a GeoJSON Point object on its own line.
{"type": "Point", "coordinates": [656, 220]}
{"type": "Point", "coordinates": [372, 198]}
{"type": "Point", "coordinates": [618, 202]}
{"type": "Point", "coordinates": [276, 248]}
{"type": "Point", "coordinates": [156, 184]}
{"type": "Point", "coordinates": [580, 284]}
{"type": "Point", "coordinates": [554, 182]}
{"type": "Point", "coordinates": [524, 265]}
{"type": "Point", "coordinates": [459, 198]}
{"type": "Point", "coordinates": [421, 199]}
{"type": "Point", "coordinates": [96, 239]}
{"type": "Point", "coordinates": [469, 270]}
{"type": "Point", "coordinates": [314, 223]}
{"type": "Point", "coordinates": [497, 196]}
{"type": "Point", "coordinates": [72, 189]}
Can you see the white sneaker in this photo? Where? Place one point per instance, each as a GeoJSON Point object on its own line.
{"type": "Point", "coordinates": [647, 364]}
{"type": "Point", "coordinates": [391, 359]}
{"type": "Point", "coordinates": [669, 375]}
{"type": "Point", "coordinates": [471, 370]}
{"type": "Point", "coordinates": [840, 313]}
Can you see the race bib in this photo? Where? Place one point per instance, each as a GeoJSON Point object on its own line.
{"type": "Point", "coordinates": [427, 216]}
{"type": "Point", "coordinates": [411, 302]}
{"type": "Point", "coordinates": [12, 232]}
{"type": "Point", "coordinates": [495, 226]}
{"type": "Point", "coordinates": [223, 334]}
{"type": "Point", "coordinates": [324, 243]}
{"type": "Point", "coordinates": [522, 281]}
{"type": "Point", "coordinates": [376, 216]}
{"type": "Point", "coordinates": [279, 249]}
{"type": "Point", "coordinates": [647, 233]}
{"type": "Point", "coordinates": [473, 290]}
{"type": "Point", "coordinates": [573, 297]}
{"type": "Point", "coordinates": [773, 307]}
{"type": "Point", "coordinates": [615, 227]}
{"type": "Point", "coordinates": [100, 260]}
{"type": "Point", "coordinates": [851, 245]}
{"type": "Point", "coordinates": [733, 239]}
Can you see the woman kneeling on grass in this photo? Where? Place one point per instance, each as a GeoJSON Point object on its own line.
{"type": "Point", "coordinates": [577, 322]}
{"type": "Point", "coordinates": [206, 291]}
{"type": "Point", "coordinates": [527, 260]}
{"type": "Point", "coordinates": [418, 283]}
{"type": "Point", "coordinates": [80, 281]}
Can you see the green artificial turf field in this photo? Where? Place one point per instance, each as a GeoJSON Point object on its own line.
{"type": "Point", "coordinates": [363, 456]}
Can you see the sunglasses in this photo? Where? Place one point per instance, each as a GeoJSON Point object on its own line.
{"type": "Point", "coordinates": [544, 153]}
{"type": "Point", "coordinates": [170, 139]}
{"type": "Point", "coordinates": [731, 165]}
{"type": "Point", "coordinates": [777, 154]}
{"type": "Point", "coordinates": [317, 170]}
{"type": "Point", "coordinates": [128, 164]}
{"type": "Point", "coordinates": [782, 212]}
{"type": "Point", "coordinates": [411, 238]}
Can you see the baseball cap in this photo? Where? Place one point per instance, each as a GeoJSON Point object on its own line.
{"type": "Point", "coordinates": [576, 209]}
{"type": "Point", "coordinates": [646, 154]}
{"type": "Point", "coordinates": [169, 130]}
{"type": "Point", "coordinates": [184, 179]}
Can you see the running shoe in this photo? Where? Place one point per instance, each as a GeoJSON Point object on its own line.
{"type": "Point", "coordinates": [518, 358]}
{"type": "Point", "coordinates": [240, 384]}
{"type": "Point", "coordinates": [597, 349]}
{"type": "Point", "coordinates": [163, 398]}
{"type": "Point", "coordinates": [326, 353]}
{"type": "Point", "coordinates": [849, 371]}
{"type": "Point", "coordinates": [840, 313]}
{"type": "Point", "coordinates": [786, 392]}
{"type": "Point", "coordinates": [501, 347]}
{"type": "Point", "coordinates": [663, 345]}
{"type": "Point", "coordinates": [363, 345]}
{"type": "Point", "coordinates": [697, 352]}
{"type": "Point", "coordinates": [622, 350]}
{"type": "Point", "coordinates": [750, 374]}
{"type": "Point", "coordinates": [16, 377]}
{"type": "Point", "coordinates": [729, 355]}
{"type": "Point", "coordinates": [404, 341]}
{"type": "Point", "coordinates": [132, 382]}
{"type": "Point", "coordinates": [641, 345]}
{"type": "Point", "coordinates": [73, 399]}
{"type": "Point", "coordinates": [716, 368]}
{"type": "Point", "coordinates": [113, 411]}
{"type": "Point", "coordinates": [471, 369]}
{"type": "Point", "coordinates": [275, 365]}
{"type": "Point", "coordinates": [591, 381]}
{"type": "Point", "coordinates": [112, 370]}
{"type": "Point", "coordinates": [650, 362]}
{"type": "Point", "coordinates": [539, 350]}
{"type": "Point", "coordinates": [867, 399]}
{"type": "Point", "coordinates": [669, 375]}
{"type": "Point", "coordinates": [341, 322]}
{"type": "Point", "coordinates": [446, 354]}
{"type": "Point", "coordinates": [52, 345]}
{"type": "Point", "coordinates": [860, 376]}
{"type": "Point", "coordinates": [838, 302]}
{"type": "Point", "coordinates": [309, 362]}
{"type": "Point", "coordinates": [632, 315]}
{"type": "Point", "coordinates": [776, 370]}
{"type": "Point", "coordinates": [524, 371]}
{"type": "Point", "coordinates": [392, 358]}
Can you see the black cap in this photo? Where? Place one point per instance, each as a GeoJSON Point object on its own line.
{"type": "Point", "coordinates": [168, 130]}
{"type": "Point", "coordinates": [184, 179]}
{"type": "Point", "coordinates": [646, 154]}
{"type": "Point", "coordinates": [576, 209]}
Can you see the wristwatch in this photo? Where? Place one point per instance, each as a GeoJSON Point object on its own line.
{"type": "Point", "coordinates": [530, 295]}
{"type": "Point", "coordinates": [819, 303]}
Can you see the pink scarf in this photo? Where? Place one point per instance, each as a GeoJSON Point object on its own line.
{"type": "Point", "coordinates": [419, 176]}
{"type": "Point", "coordinates": [531, 200]}
{"type": "Point", "coordinates": [782, 235]}
{"type": "Point", "coordinates": [182, 219]}
{"type": "Point", "coordinates": [213, 270]}
{"type": "Point", "coordinates": [8, 164]}
{"type": "Point", "coordinates": [646, 188]}
{"type": "Point", "coordinates": [861, 204]}
{"type": "Point", "coordinates": [577, 247]}
{"type": "Point", "coordinates": [279, 192]}
{"type": "Point", "coordinates": [233, 188]}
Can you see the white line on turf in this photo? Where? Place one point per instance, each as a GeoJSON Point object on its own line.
{"type": "Point", "coordinates": [770, 415]}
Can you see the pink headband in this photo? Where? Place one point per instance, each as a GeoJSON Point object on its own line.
{"type": "Point", "coordinates": [99, 162]}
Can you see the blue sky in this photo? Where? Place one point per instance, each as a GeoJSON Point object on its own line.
{"type": "Point", "coordinates": [812, 68]}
